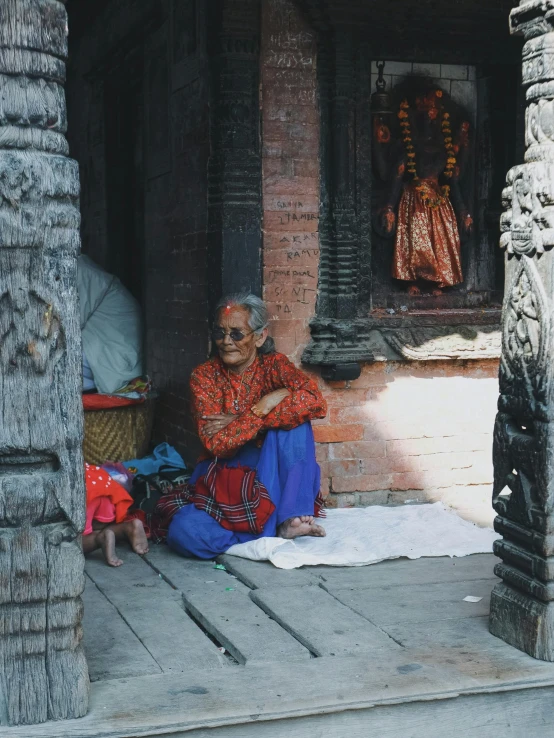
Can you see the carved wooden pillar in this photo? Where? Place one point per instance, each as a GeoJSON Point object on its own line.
{"type": "Point", "coordinates": [43, 673]}
{"type": "Point", "coordinates": [235, 166]}
{"type": "Point", "coordinates": [522, 606]}
{"type": "Point", "coordinates": [343, 259]}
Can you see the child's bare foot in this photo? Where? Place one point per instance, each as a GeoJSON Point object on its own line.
{"type": "Point", "coordinates": [106, 540]}
{"type": "Point", "coordinates": [301, 526]}
{"type": "Point", "coordinates": [136, 536]}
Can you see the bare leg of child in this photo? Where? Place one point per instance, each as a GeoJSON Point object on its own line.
{"type": "Point", "coordinates": [133, 532]}
{"type": "Point", "coordinates": [104, 539]}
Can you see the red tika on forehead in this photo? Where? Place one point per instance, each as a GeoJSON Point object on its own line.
{"type": "Point", "coordinates": [228, 308]}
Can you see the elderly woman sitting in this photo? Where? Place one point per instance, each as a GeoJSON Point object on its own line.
{"type": "Point", "coordinates": [253, 409]}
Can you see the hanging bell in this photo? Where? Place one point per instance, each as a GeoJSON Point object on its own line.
{"type": "Point", "coordinates": [380, 100]}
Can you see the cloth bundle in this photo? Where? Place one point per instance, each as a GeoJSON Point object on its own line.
{"type": "Point", "coordinates": [233, 496]}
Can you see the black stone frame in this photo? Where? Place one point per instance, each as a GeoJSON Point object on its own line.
{"type": "Point", "coordinates": [344, 329]}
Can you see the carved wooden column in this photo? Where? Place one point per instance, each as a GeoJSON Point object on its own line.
{"type": "Point", "coordinates": [522, 606]}
{"type": "Point", "coordinates": [43, 673]}
{"type": "Point", "coordinates": [235, 165]}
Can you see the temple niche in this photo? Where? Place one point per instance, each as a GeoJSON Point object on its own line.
{"type": "Point", "coordinates": [432, 180]}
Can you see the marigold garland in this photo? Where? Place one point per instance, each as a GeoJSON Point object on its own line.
{"type": "Point", "coordinates": [411, 164]}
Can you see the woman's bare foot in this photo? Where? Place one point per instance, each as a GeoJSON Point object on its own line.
{"type": "Point", "coordinates": [134, 530]}
{"type": "Point", "coordinates": [106, 540]}
{"type": "Point", "coordinates": [301, 526]}
{"type": "Point", "coordinates": [437, 291]}
{"type": "Point", "coordinates": [414, 290]}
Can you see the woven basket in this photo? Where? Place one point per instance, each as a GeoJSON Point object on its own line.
{"type": "Point", "coordinates": [118, 434]}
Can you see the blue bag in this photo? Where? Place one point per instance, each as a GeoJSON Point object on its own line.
{"type": "Point", "coordinates": [163, 455]}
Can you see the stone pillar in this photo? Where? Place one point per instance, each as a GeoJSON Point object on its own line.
{"type": "Point", "coordinates": [43, 673]}
{"type": "Point", "coordinates": [522, 606]}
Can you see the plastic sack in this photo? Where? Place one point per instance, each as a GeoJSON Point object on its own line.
{"type": "Point", "coordinates": [119, 474]}
{"type": "Point", "coordinates": [163, 455]}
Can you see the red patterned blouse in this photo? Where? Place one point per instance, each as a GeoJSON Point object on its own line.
{"type": "Point", "coordinates": [215, 391]}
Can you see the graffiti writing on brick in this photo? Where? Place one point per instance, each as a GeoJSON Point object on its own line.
{"type": "Point", "coordinates": [287, 218]}
{"type": "Point", "coordinates": [299, 238]}
{"type": "Point", "coordinates": [310, 253]}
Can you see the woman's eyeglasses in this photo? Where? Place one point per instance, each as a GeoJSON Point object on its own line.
{"type": "Point", "coordinates": [218, 334]}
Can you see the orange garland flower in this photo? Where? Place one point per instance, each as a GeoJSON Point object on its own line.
{"type": "Point", "coordinates": [451, 149]}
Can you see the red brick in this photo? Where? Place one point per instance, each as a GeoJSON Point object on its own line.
{"type": "Point", "coordinates": [286, 346]}
{"type": "Point", "coordinates": [358, 450]}
{"type": "Point", "coordinates": [290, 309]}
{"type": "Point", "coordinates": [281, 167]}
{"type": "Point", "coordinates": [306, 167]}
{"type": "Point", "coordinates": [391, 465]}
{"type": "Point", "coordinates": [276, 130]}
{"type": "Point", "coordinates": [287, 78]}
{"type": "Point", "coordinates": [286, 221]}
{"type": "Point", "coordinates": [344, 398]}
{"type": "Point", "coordinates": [289, 60]}
{"type": "Point", "coordinates": [305, 243]}
{"type": "Point", "coordinates": [361, 483]}
{"type": "Point", "coordinates": [290, 294]}
{"type": "Point", "coordinates": [448, 444]}
{"type": "Point", "coordinates": [279, 97]}
{"type": "Point", "coordinates": [321, 421]}
{"type": "Point", "coordinates": [296, 204]}
{"type": "Point", "coordinates": [339, 384]}
{"type": "Point", "coordinates": [408, 480]}
{"type": "Point", "coordinates": [283, 328]}
{"type": "Point", "coordinates": [356, 414]}
{"type": "Point", "coordinates": [338, 433]}
{"type": "Point", "coordinates": [321, 452]}
{"type": "Point", "coordinates": [372, 374]}
{"type": "Point", "coordinates": [297, 275]}
{"type": "Point", "coordinates": [348, 468]}
{"type": "Point", "coordinates": [290, 149]}
{"type": "Point", "coordinates": [453, 461]}
{"type": "Point", "coordinates": [290, 113]}
{"type": "Point", "coordinates": [287, 186]}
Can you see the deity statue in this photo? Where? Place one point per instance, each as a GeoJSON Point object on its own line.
{"type": "Point", "coordinates": [421, 149]}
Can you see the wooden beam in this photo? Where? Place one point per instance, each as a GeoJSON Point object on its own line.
{"type": "Point", "coordinates": [43, 673]}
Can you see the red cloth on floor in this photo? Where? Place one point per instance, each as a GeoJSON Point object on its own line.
{"type": "Point", "coordinates": [107, 501]}
{"type": "Point", "coordinates": [94, 401]}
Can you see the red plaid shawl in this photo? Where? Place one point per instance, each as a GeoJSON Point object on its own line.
{"type": "Point", "coordinates": [232, 496]}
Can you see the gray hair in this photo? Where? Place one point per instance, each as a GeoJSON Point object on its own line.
{"type": "Point", "coordinates": [258, 315]}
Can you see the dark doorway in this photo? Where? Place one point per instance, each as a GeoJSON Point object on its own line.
{"type": "Point", "coordinates": [124, 126]}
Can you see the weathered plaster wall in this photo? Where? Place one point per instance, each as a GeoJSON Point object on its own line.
{"type": "Point", "coordinates": [402, 431]}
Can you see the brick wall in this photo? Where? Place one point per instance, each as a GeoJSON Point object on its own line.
{"type": "Point", "coordinates": [290, 183]}
{"type": "Point", "coordinates": [402, 431]}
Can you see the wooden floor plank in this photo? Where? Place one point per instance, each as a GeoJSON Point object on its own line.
{"type": "Point", "coordinates": [113, 651]}
{"type": "Point", "coordinates": [257, 574]}
{"type": "Point", "coordinates": [427, 570]}
{"type": "Point", "coordinates": [242, 627]}
{"type": "Point", "coordinates": [338, 697]}
{"type": "Point", "coordinates": [187, 574]}
{"type": "Point", "coordinates": [415, 603]}
{"type": "Point", "coordinates": [155, 613]}
{"type": "Point", "coordinates": [466, 634]}
{"type": "Point", "coordinates": [320, 622]}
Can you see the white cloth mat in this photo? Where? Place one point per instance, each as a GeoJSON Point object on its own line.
{"type": "Point", "coordinates": [362, 536]}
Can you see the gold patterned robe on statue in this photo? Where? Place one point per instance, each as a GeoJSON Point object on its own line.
{"type": "Point", "coordinates": [427, 239]}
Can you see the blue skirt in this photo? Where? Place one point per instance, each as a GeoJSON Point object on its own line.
{"type": "Point", "coordinates": [287, 467]}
